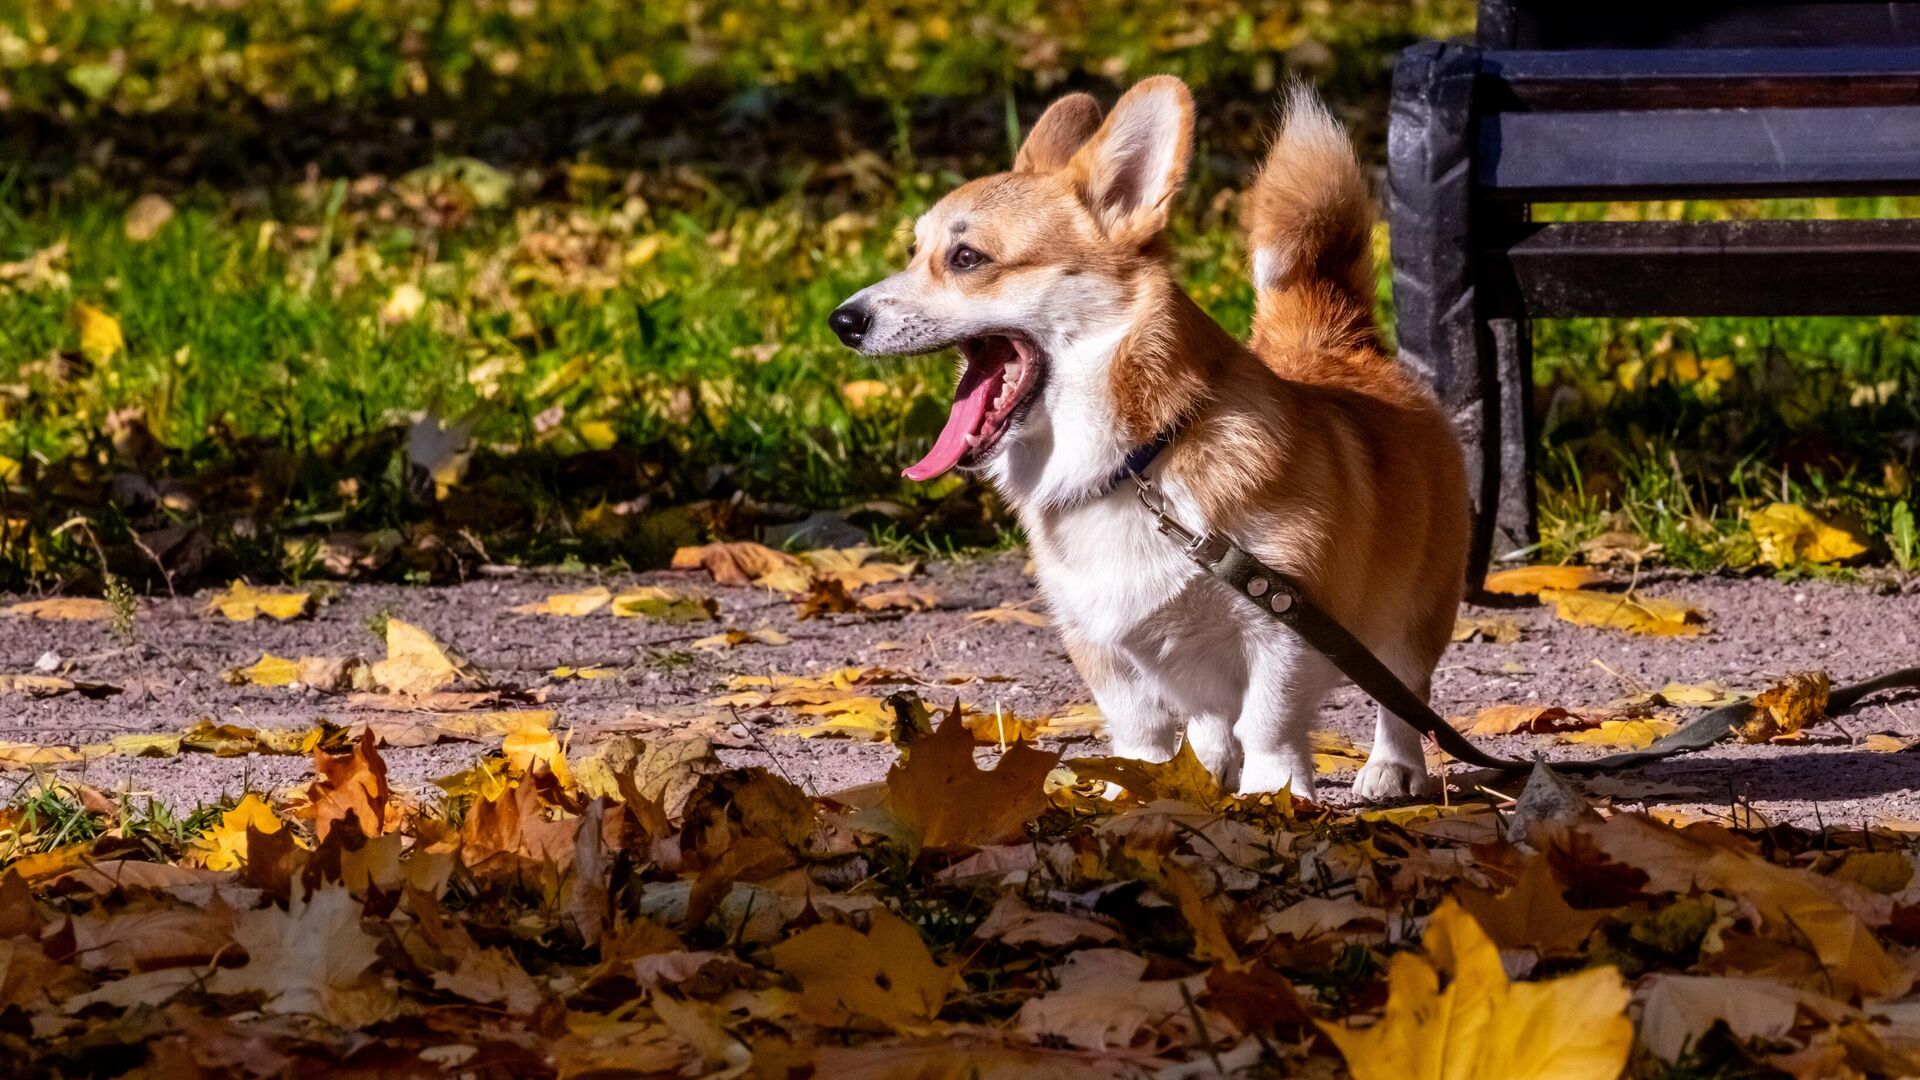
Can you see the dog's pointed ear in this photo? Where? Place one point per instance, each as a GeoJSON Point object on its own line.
{"type": "Point", "coordinates": [1064, 128]}
{"type": "Point", "coordinates": [1130, 170]}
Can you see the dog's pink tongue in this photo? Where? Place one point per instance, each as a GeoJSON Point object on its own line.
{"type": "Point", "coordinates": [969, 411]}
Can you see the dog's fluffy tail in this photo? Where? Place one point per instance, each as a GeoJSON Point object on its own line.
{"type": "Point", "coordinates": [1309, 224]}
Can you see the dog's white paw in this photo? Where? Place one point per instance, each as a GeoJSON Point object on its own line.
{"type": "Point", "coordinates": [1388, 780]}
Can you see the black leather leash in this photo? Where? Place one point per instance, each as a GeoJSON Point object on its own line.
{"type": "Point", "coordinates": [1282, 600]}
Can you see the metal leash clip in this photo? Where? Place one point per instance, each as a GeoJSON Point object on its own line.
{"type": "Point", "coordinates": [1203, 548]}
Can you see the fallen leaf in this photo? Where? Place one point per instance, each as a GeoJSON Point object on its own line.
{"type": "Point", "coordinates": [352, 786]}
{"type": "Point", "coordinates": [901, 599]}
{"type": "Point", "coordinates": [63, 608]}
{"type": "Point", "coordinates": [145, 218]}
{"type": "Point", "coordinates": [1622, 611]}
{"type": "Point", "coordinates": [535, 741]}
{"type": "Point", "coordinates": [1493, 631]}
{"type": "Point", "coordinates": [938, 798]}
{"type": "Point", "coordinates": [100, 336]}
{"type": "Point", "coordinates": [1507, 719]}
{"type": "Point", "coordinates": [1103, 1000]}
{"type": "Point", "coordinates": [1533, 580]}
{"type": "Point", "coordinates": [415, 663]}
{"type": "Point", "coordinates": [665, 605]}
{"type": "Point", "coordinates": [590, 672]}
{"type": "Point", "coordinates": [733, 639]}
{"type": "Point", "coordinates": [1021, 616]}
{"type": "Point", "coordinates": [884, 975]}
{"type": "Point", "coordinates": [50, 686]}
{"type": "Point", "coordinates": [1182, 778]}
{"type": "Point", "coordinates": [1618, 547]}
{"type": "Point", "coordinates": [1482, 1024]}
{"type": "Point", "coordinates": [1533, 913]}
{"type": "Point", "coordinates": [269, 670]}
{"type": "Point", "coordinates": [223, 846]}
{"type": "Point", "coordinates": [571, 605]}
{"type": "Point", "coordinates": [1786, 707]}
{"type": "Point", "coordinates": [1677, 1011]}
{"type": "Point", "coordinates": [293, 974]}
{"type": "Point", "coordinates": [1788, 535]}
{"type": "Point", "coordinates": [1623, 734]}
{"type": "Point", "coordinates": [737, 563]}
{"type": "Point", "coordinates": [242, 603]}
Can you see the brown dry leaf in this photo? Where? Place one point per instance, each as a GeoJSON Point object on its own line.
{"type": "Point", "coordinates": [938, 798]}
{"type": "Point", "coordinates": [350, 786]}
{"type": "Point", "coordinates": [1007, 614]}
{"type": "Point", "coordinates": [1787, 706]}
{"type": "Point", "coordinates": [569, 605]}
{"type": "Point", "coordinates": [1623, 734]}
{"type": "Point", "coordinates": [885, 975]}
{"type": "Point", "coordinates": [736, 563]}
{"type": "Point", "coordinates": [1103, 1001]}
{"type": "Point", "coordinates": [1482, 1024]}
{"type": "Point", "coordinates": [674, 606]}
{"type": "Point", "coordinates": [62, 608]}
{"type": "Point", "coordinates": [1618, 547]}
{"type": "Point", "coordinates": [312, 959]}
{"type": "Point", "coordinates": [1533, 580]}
{"type": "Point", "coordinates": [17, 755]}
{"type": "Point", "coordinates": [901, 599]}
{"type": "Point", "coordinates": [1494, 631]}
{"type": "Point", "coordinates": [415, 663]}
{"type": "Point", "coordinates": [1532, 914]}
{"type": "Point", "coordinates": [50, 686]}
{"type": "Point", "coordinates": [243, 603]}
{"type": "Point", "coordinates": [1621, 611]}
{"type": "Point", "coordinates": [1507, 719]}
{"type": "Point", "coordinates": [1677, 1011]}
{"type": "Point", "coordinates": [733, 639]}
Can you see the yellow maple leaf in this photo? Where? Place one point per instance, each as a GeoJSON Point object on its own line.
{"type": "Point", "coordinates": [1531, 580]}
{"type": "Point", "coordinates": [1624, 611]}
{"type": "Point", "coordinates": [885, 975]}
{"type": "Point", "coordinates": [536, 742]}
{"type": "Point", "coordinates": [224, 845]}
{"type": "Point", "coordinates": [269, 670]}
{"type": "Point", "coordinates": [569, 604]}
{"type": "Point", "coordinates": [1481, 1024]}
{"type": "Point", "coordinates": [100, 336]}
{"type": "Point", "coordinates": [1788, 534]}
{"type": "Point", "coordinates": [656, 604]}
{"type": "Point", "coordinates": [1623, 734]}
{"type": "Point", "coordinates": [415, 663]}
{"type": "Point", "coordinates": [243, 603]}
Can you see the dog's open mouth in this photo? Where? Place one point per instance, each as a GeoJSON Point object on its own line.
{"type": "Point", "coordinates": [1001, 374]}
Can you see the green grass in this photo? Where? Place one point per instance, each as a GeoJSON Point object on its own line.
{"type": "Point", "coordinates": [638, 350]}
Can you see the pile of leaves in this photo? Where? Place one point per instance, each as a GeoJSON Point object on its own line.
{"type": "Point", "coordinates": [642, 910]}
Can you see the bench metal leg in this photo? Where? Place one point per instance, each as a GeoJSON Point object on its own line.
{"type": "Point", "coordinates": [1430, 217]}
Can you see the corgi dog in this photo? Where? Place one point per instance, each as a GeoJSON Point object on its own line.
{"type": "Point", "coordinates": [1307, 445]}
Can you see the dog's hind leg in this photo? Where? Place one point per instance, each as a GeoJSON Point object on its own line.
{"type": "Point", "coordinates": [1397, 765]}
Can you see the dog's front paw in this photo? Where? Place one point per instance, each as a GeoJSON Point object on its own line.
{"type": "Point", "coordinates": [1387, 780]}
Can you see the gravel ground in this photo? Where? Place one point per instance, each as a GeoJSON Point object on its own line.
{"type": "Point", "coordinates": [171, 676]}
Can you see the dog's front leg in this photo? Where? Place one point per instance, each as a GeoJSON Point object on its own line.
{"type": "Point", "coordinates": [1139, 724]}
{"type": "Point", "coordinates": [1286, 682]}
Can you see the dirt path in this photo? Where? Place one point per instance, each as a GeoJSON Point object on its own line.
{"type": "Point", "coordinates": [171, 675]}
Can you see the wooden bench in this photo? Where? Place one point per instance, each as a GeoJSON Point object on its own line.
{"type": "Point", "coordinates": [1562, 102]}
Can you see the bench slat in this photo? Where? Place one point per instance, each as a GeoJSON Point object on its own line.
{"type": "Point", "coordinates": [1676, 153]}
{"type": "Point", "coordinates": [1712, 268]}
{"type": "Point", "coordinates": [1699, 78]}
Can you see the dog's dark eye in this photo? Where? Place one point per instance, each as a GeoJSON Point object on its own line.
{"type": "Point", "coordinates": [963, 257]}
{"type": "Point", "coordinates": [913, 249]}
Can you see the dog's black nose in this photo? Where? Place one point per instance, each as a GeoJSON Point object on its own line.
{"type": "Point", "coordinates": [850, 322]}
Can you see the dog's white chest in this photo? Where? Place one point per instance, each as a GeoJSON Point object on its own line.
{"type": "Point", "coordinates": [1112, 580]}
